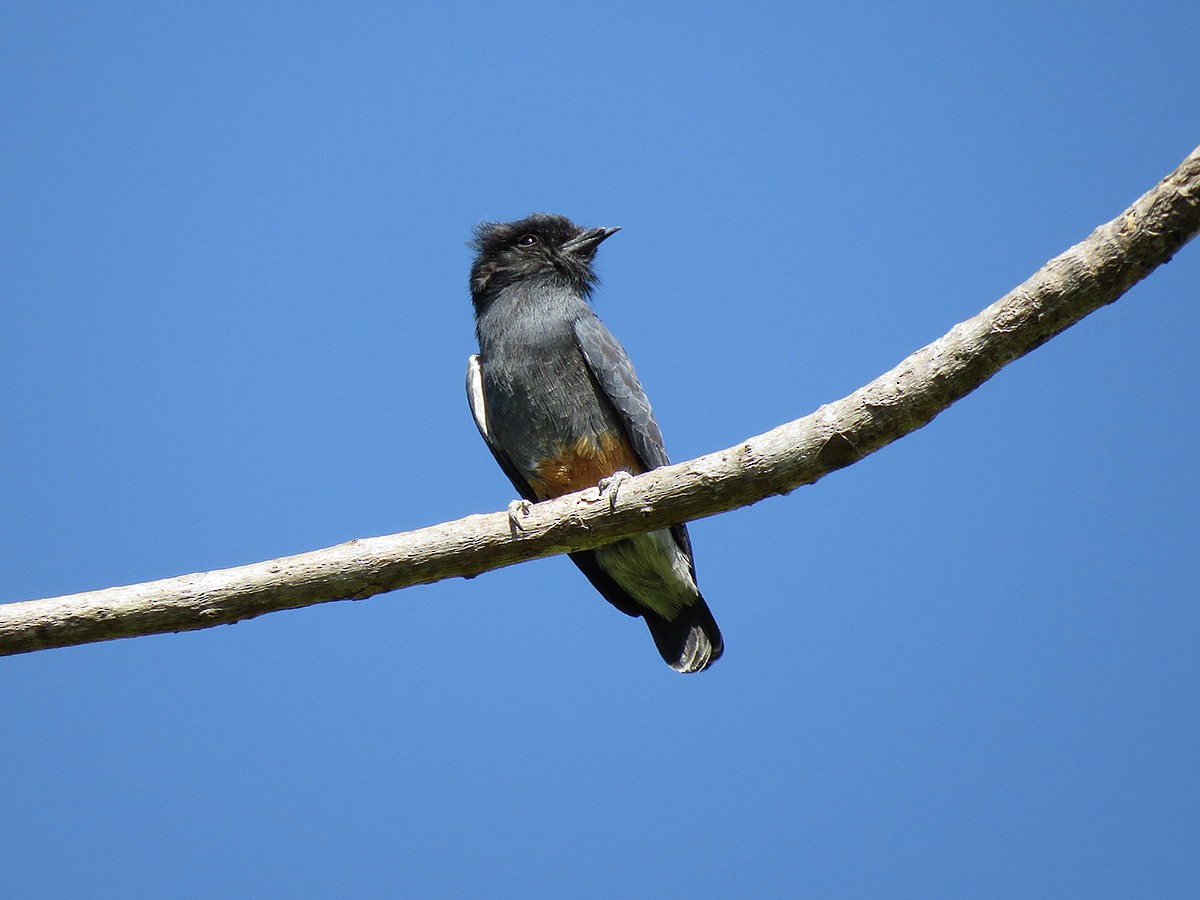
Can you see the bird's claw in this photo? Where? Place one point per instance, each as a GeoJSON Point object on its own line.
{"type": "Point", "coordinates": [516, 511]}
{"type": "Point", "coordinates": [612, 484]}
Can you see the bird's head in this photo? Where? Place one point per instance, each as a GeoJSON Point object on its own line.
{"type": "Point", "coordinates": [538, 247]}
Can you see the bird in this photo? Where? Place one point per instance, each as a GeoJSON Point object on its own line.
{"type": "Point", "coordinates": [557, 400]}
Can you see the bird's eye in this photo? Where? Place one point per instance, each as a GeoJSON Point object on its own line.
{"type": "Point", "coordinates": [527, 240]}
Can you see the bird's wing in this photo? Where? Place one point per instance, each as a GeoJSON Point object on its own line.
{"type": "Point", "coordinates": [611, 368]}
{"type": "Point", "coordinates": [479, 413]}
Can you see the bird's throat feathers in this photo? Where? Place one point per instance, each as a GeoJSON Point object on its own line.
{"type": "Point", "coordinates": [526, 310]}
{"type": "Point", "coordinates": [539, 294]}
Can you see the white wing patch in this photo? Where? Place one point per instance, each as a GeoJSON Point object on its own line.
{"type": "Point", "coordinates": [475, 394]}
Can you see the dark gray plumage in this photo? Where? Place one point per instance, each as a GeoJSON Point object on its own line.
{"type": "Point", "coordinates": [559, 404]}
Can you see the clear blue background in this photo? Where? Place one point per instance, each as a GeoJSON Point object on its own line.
{"type": "Point", "coordinates": [235, 325]}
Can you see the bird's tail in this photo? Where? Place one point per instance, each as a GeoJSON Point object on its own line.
{"type": "Point", "coordinates": [691, 642]}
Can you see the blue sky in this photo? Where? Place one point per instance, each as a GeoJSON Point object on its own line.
{"type": "Point", "coordinates": [236, 326]}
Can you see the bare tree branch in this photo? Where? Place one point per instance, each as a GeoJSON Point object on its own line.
{"type": "Point", "coordinates": [1091, 274]}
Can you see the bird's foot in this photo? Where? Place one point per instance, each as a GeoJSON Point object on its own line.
{"type": "Point", "coordinates": [612, 484]}
{"type": "Point", "coordinates": [517, 510]}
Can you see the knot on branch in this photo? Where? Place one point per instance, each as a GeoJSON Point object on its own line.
{"type": "Point", "coordinates": [837, 452]}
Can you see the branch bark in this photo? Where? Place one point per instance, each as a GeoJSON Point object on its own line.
{"type": "Point", "coordinates": [1091, 274]}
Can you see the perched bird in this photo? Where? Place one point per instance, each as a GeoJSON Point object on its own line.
{"type": "Point", "coordinates": [558, 403]}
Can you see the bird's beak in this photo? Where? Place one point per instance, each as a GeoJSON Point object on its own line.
{"type": "Point", "coordinates": [586, 243]}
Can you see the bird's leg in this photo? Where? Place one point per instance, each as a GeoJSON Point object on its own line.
{"type": "Point", "coordinates": [612, 484]}
{"type": "Point", "coordinates": [516, 511]}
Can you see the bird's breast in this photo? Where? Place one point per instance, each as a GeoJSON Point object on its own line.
{"type": "Point", "coordinates": [544, 407]}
